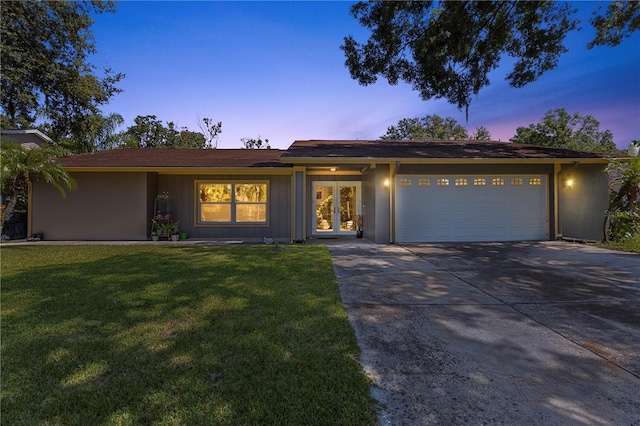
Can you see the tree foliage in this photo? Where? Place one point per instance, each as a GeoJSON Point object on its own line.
{"type": "Point", "coordinates": [21, 166]}
{"type": "Point", "coordinates": [446, 49]}
{"type": "Point", "coordinates": [431, 127]}
{"type": "Point", "coordinates": [211, 131]}
{"type": "Point", "coordinates": [44, 65]}
{"type": "Point", "coordinates": [562, 130]}
{"type": "Point", "coordinates": [622, 219]}
{"type": "Point", "coordinates": [149, 132]}
{"type": "Point", "coordinates": [621, 19]}
{"type": "Point", "coordinates": [250, 143]}
{"type": "Point", "coordinates": [481, 134]}
{"type": "Point", "coordinates": [96, 132]}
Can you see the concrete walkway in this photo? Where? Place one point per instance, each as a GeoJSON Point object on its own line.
{"type": "Point", "coordinates": [524, 333]}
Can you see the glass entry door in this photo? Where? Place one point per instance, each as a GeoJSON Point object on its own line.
{"type": "Point", "coordinates": [336, 207]}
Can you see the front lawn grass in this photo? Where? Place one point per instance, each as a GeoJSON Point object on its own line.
{"type": "Point", "coordinates": [129, 335]}
{"type": "Point", "coordinates": [631, 244]}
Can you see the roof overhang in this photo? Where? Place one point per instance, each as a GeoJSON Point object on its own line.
{"type": "Point", "coordinates": [28, 137]}
{"type": "Point", "coordinates": [185, 170]}
{"type": "Point", "coordinates": [327, 162]}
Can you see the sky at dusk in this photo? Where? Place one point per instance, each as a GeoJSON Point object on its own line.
{"type": "Point", "coordinates": [275, 70]}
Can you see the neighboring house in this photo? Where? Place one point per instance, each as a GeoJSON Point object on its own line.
{"type": "Point", "coordinates": [30, 138]}
{"type": "Point", "coordinates": [404, 191]}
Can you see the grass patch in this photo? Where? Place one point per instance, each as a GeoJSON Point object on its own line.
{"type": "Point", "coordinates": [177, 335]}
{"type": "Point", "coordinates": [631, 244]}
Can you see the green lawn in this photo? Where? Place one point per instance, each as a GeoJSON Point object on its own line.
{"type": "Point", "coordinates": [168, 335]}
{"type": "Point", "coordinates": [631, 244]}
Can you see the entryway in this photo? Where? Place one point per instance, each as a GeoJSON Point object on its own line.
{"type": "Point", "coordinates": [336, 206]}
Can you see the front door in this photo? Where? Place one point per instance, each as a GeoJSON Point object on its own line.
{"type": "Point", "coordinates": [336, 207]}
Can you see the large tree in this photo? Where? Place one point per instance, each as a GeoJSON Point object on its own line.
{"type": "Point", "coordinates": [20, 167]}
{"type": "Point", "coordinates": [149, 132]}
{"type": "Point", "coordinates": [621, 19]}
{"type": "Point", "coordinates": [95, 132]}
{"type": "Point", "coordinates": [431, 127]}
{"type": "Point", "coordinates": [560, 129]}
{"type": "Point", "coordinates": [44, 65]}
{"type": "Point", "coordinates": [446, 49]}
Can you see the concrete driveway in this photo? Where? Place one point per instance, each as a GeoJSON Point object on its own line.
{"type": "Point", "coordinates": [538, 333]}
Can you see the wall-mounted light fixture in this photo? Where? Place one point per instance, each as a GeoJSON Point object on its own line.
{"type": "Point", "coordinates": [567, 182]}
{"type": "Point", "coordinates": [333, 169]}
{"type": "Point", "coordinates": [386, 182]}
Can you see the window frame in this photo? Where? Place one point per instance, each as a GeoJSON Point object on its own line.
{"type": "Point", "coordinates": [233, 203]}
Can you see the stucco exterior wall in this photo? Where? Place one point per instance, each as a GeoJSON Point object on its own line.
{"type": "Point", "coordinates": [582, 206]}
{"type": "Point", "coordinates": [377, 204]}
{"type": "Point", "coordinates": [181, 189]}
{"type": "Point", "coordinates": [104, 206]}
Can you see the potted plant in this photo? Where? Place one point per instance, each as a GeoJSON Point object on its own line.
{"type": "Point", "coordinates": [159, 228]}
{"type": "Point", "coordinates": [154, 236]}
{"type": "Point", "coordinates": [173, 230]}
{"type": "Point", "coordinates": [358, 223]}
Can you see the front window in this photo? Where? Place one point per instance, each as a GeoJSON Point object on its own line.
{"type": "Point", "coordinates": [232, 202]}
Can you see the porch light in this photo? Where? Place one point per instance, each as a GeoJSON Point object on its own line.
{"type": "Point", "coordinates": [386, 183]}
{"type": "Point", "coordinates": [568, 181]}
{"type": "Point", "coordinates": [333, 169]}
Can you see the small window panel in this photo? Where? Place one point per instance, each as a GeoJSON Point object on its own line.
{"type": "Point", "coordinates": [535, 181]}
{"type": "Point", "coordinates": [479, 182]}
{"type": "Point", "coordinates": [442, 182]}
{"type": "Point", "coordinates": [405, 182]}
{"type": "Point", "coordinates": [461, 182]}
{"type": "Point", "coordinates": [424, 182]}
{"type": "Point", "coordinates": [215, 192]}
{"type": "Point", "coordinates": [497, 182]}
{"type": "Point", "coordinates": [516, 181]}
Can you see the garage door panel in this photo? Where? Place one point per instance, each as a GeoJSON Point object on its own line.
{"type": "Point", "coordinates": [481, 232]}
{"type": "Point", "coordinates": [504, 208]}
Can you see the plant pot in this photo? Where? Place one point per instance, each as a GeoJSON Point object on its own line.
{"type": "Point", "coordinates": [175, 237]}
{"type": "Point", "coordinates": [155, 237]}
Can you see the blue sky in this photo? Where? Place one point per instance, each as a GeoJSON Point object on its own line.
{"type": "Point", "coordinates": [275, 70]}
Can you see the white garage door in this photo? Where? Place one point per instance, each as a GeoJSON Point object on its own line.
{"type": "Point", "coordinates": [471, 208]}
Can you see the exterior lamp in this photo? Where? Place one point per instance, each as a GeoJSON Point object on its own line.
{"type": "Point", "coordinates": [386, 183]}
{"type": "Point", "coordinates": [568, 181]}
{"type": "Point", "coordinates": [333, 169]}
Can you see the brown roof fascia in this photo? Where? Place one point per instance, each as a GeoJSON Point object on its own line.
{"type": "Point", "coordinates": [409, 160]}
